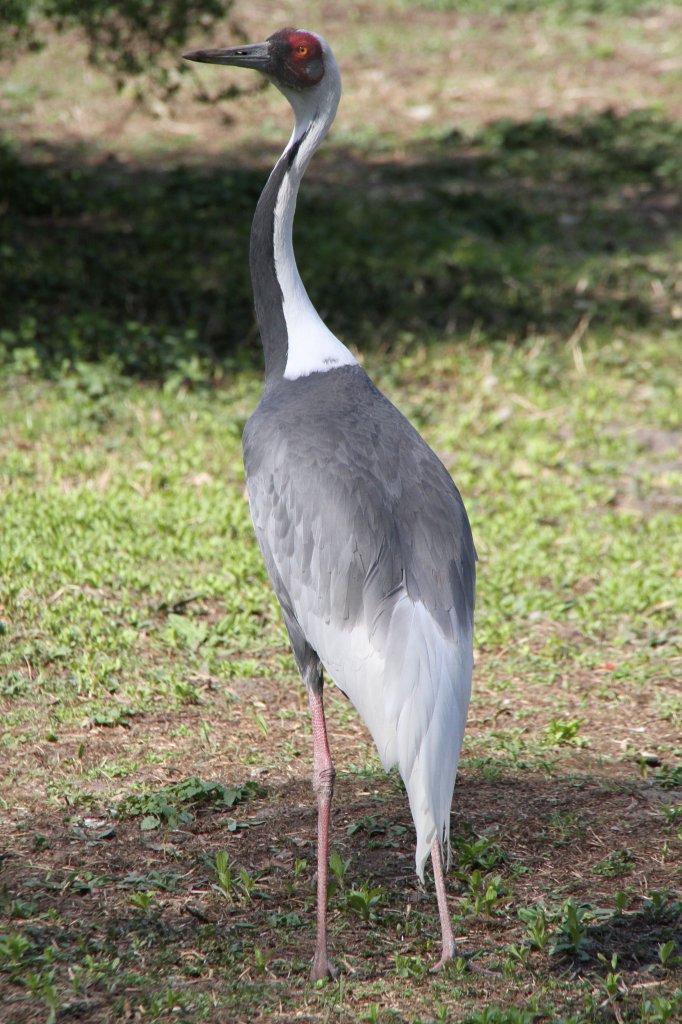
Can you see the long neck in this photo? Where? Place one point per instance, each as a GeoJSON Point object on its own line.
{"type": "Point", "coordinates": [267, 292]}
{"type": "Point", "coordinates": [289, 325]}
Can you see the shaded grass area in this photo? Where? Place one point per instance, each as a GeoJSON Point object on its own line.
{"type": "Point", "coordinates": [214, 920]}
{"type": "Point", "coordinates": [526, 227]}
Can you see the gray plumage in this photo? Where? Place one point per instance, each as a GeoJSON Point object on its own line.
{"type": "Point", "coordinates": [339, 469]}
{"type": "Point", "coordinates": [353, 513]}
{"type": "Point", "coordinates": [364, 534]}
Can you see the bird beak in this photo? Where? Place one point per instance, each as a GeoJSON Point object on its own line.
{"type": "Point", "coordinates": [256, 56]}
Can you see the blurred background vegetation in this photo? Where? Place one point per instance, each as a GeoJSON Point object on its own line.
{"type": "Point", "coordinates": [139, 39]}
{"type": "Point", "coordinates": [514, 226]}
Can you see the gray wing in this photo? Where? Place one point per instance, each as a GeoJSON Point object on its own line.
{"type": "Point", "coordinates": [355, 505]}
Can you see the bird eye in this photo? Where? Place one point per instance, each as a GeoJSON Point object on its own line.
{"type": "Point", "coordinates": [302, 50]}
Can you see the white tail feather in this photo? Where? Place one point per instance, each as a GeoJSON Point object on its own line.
{"type": "Point", "coordinates": [412, 691]}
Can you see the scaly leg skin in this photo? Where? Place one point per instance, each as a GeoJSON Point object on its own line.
{"type": "Point", "coordinates": [449, 949]}
{"type": "Point", "coordinates": [323, 784]}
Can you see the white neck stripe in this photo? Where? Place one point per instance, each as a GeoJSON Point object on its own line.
{"type": "Point", "coordinates": [312, 348]}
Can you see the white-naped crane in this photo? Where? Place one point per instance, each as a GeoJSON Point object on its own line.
{"type": "Point", "coordinates": [364, 535]}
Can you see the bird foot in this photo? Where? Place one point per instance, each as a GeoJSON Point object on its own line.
{"type": "Point", "coordinates": [448, 949]}
{"type": "Point", "coordinates": [446, 958]}
{"type": "Point", "coordinates": [322, 967]}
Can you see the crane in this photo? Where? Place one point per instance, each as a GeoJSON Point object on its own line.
{"type": "Point", "coordinates": [364, 534]}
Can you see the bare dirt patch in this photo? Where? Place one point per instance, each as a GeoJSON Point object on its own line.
{"type": "Point", "coordinates": [576, 824]}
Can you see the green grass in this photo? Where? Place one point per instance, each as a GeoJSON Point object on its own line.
{"type": "Point", "coordinates": [133, 589]}
{"type": "Point", "coordinates": [125, 520]}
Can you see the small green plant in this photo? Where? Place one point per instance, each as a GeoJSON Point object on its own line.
{"type": "Point", "coordinates": [260, 960]}
{"type": "Point", "coordinates": [364, 901]}
{"type": "Point", "coordinates": [185, 632]}
{"type": "Point", "coordinates": [230, 881]}
{"type": "Point", "coordinates": [21, 909]}
{"type": "Point", "coordinates": [663, 905]}
{"type": "Point", "coordinates": [621, 899]}
{"type": "Point", "coordinates": [507, 1015]}
{"type": "Point", "coordinates": [537, 925]}
{"type": "Point", "coordinates": [410, 966]}
{"type": "Point", "coordinates": [261, 722]}
{"type": "Point", "coordinates": [370, 824]}
{"type": "Point", "coordinates": [166, 1001]}
{"type": "Point", "coordinates": [142, 900]}
{"type": "Point", "coordinates": [672, 813]}
{"type": "Point", "coordinates": [277, 919]}
{"type": "Point", "coordinates": [561, 733]}
{"type": "Point", "coordinates": [42, 985]}
{"type": "Point", "coordinates": [480, 852]}
{"type": "Point", "coordinates": [112, 717]}
{"type": "Point", "coordinates": [660, 1009]}
{"type": "Point", "coordinates": [222, 869]}
{"type": "Point", "coordinates": [619, 862]}
{"type": "Point", "coordinates": [667, 954]}
{"type": "Point", "coordinates": [572, 936]}
{"type": "Point", "coordinates": [566, 826]}
{"type": "Point", "coordinates": [669, 777]}
{"type": "Point", "coordinates": [174, 805]}
{"type": "Point", "coordinates": [338, 866]}
{"type": "Point", "coordinates": [486, 893]}
{"type": "Point", "coordinates": [247, 882]}
{"type": "Point", "coordinates": [517, 954]}
{"type": "Point", "coordinates": [611, 982]}
{"type": "Point", "coordinates": [13, 948]}
{"type": "Point", "coordinates": [300, 867]}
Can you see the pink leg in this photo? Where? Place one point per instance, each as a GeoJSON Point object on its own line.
{"type": "Point", "coordinates": [323, 784]}
{"type": "Point", "coordinates": [449, 948]}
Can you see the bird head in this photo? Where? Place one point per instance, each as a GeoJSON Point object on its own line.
{"type": "Point", "coordinates": [292, 58]}
{"type": "Point", "coordinates": [302, 66]}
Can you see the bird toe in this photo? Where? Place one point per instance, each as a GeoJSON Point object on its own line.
{"type": "Point", "coordinates": [321, 968]}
